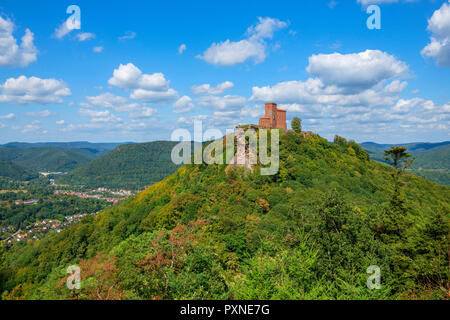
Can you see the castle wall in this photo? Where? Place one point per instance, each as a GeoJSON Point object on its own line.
{"type": "Point", "coordinates": [281, 120]}
{"type": "Point", "coordinates": [274, 118]}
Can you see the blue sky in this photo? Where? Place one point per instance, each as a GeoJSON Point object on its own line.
{"type": "Point", "coordinates": [138, 70]}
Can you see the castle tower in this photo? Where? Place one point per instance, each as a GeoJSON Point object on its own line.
{"type": "Point", "coordinates": [274, 118]}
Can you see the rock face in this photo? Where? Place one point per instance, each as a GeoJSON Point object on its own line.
{"type": "Point", "coordinates": [246, 154]}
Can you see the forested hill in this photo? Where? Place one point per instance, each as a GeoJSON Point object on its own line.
{"type": "Point", "coordinates": [98, 149]}
{"type": "Point", "coordinates": [223, 232]}
{"type": "Point", "coordinates": [130, 166]}
{"type": "Point", "coordinates": [432, 159]}
{"type": "Point", "coordinates": [46, 158]}
{"type": "Point", "coordinates": [14, 171]}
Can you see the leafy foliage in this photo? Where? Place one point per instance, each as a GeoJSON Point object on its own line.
{"type": "Point", "coordinates": [131, 166]}
{"type": "Point", "coordinates": [223, 232]}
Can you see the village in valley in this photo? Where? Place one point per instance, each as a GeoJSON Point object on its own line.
{"type": "Point", "coordinates": [35, 229]}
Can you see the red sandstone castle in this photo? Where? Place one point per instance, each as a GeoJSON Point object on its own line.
{"type": "Point", "coordinates": [274, 119]}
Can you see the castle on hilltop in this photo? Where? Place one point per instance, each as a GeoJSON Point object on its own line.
{"type": "Point", "coordinates": [274, 119]}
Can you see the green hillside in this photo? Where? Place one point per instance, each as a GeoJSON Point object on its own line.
{"type": "Point", "coordinates": [46, 158]}
{"type": "Point", "coordinates": [98, 149]}
{"type": "Point", "coordinates": [131, 166]}
{"type": "Point", "coordinates": [11, 170]}
{"type": "Point", "coordinates": [223, 232]}
{"type": "Point", "coordinates": [432, 159]}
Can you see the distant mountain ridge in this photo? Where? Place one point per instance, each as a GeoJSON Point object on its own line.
{"type": "Point", "coordinates": [432, 159]}
{"type": "Point", "coordinates": [48, 156]}
{"type": "Point", "coordinates": [95, 148]}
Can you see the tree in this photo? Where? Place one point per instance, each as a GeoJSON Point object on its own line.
{"type": "Point", "coordinates": [400, 159]}
{"type": "Point", "coordinates": [296, 124]}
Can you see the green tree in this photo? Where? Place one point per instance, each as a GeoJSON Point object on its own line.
{"type": "Point", "coordinates": [400, 159]}
{"type": "Point", "coordinates": [296, 124]}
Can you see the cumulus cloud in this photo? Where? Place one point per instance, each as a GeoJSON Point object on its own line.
{"type": "Point", "coordinates": [30, 128]}
{"type": "Point", "coordinates": [439, 26]}
{"type": "Point", "coordinates": [131, 77]}
{"type": "Point", "coordinates": [99, 116]}
{"type": "Point", "coordinates": [147, 87]}
{"type": "Point", "coordinates": [116, 103]}
{"type": "Point", "coordinates": [355, 92]}
{"type": "Point", "coordinates": [227, 102]}
{"type": "Point", "coordinates": [128, 36]}
{"type": "Point", "coordinates": [97, 49]}
{"type": "Point", "coordinates": [60, 122]}
{"type": "Point", "coordinates": [207, 89]}
{"type": "Point", "coordinates": [361, 70]}
{"type": "Point", "coordinates": [256, 111]}
{"type": "Point", "coordinates": [23, 90]}
{"type": "Point", "coordinates": [12, 54]}
{"type": "Point", "coordinates": [369, 2]}
{"type": "Point", "coordinates": [228, 53]}
{"type": "Point", "coordinates": [8, 116]}
{"type": "Point", "coordinates": [66, 27]}
{"type": "Point", "coordinates": [184, 104]}
{"type": "Point", "coordinates": [154, 96]}
{"type": "Point", "coordinates": [109, 100]}
{"type": "Point", "coordinates": [144, 112]}
{"type": "Point", "coordinates": [405, 106]}
{"type": "Point", "coordinates": [85, 36]}
{"type": "Point", "coordinates": [43, 113]}
{"type": "Point", "coordinates": [313, 91]}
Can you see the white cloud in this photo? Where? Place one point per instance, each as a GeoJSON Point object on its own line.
{"type": "Point", "coordinates": [130, 77]}
{"type": "Point", "coordinates": [43, 113]}
{"type": "Point", "coordinates": [355, 91]}
{"type": "Point", "coordinates": [369, 2]}
{"type": "Point", "coordinates": [256, 111]}
{"type": "Point", "coordinates": [30, 128]}
{"type": "Point", "coordinates": [332, 4]}
{"type": "Point", "coordinates": [184, 104]}
{"type": "Point", "coordinates": [60, 122]}
{"type": "Point", "coordinates": [396, 87]}
{"type": "Point", "coordinates": [154, 96]}
{"type": "Point", "coordinates": [207, 89]}
{"type": "Point", "coordinates": [85, 36]}
{"type": "Point", "coordinates": [66, 27]}
{"type": "Point", "coordinates": [97, 49]}
{"type": "Point", "coordinates": [228, 53]}
{"type": "Point", "coordinates": [439, 26]}
{"type": "Point", "coordinates": [144, 112]}
{"type": "Point", "coordinates": [128, 35]}
{"type": "Point", "coordinates": [147, 87]}
{"type": "Point", "coordinates": [182, 48]}
{"type": "Point", "coordinates": [313, 91]}
{"type": "Point", "coordinates": [23, 90]}
{"type": "Point", "coordinates": [12, 54]}
{"type": "Point", "coordinates": [99, 116]}
{"type": "Point", "coordinates": [357, 70]}
{"type": "Point", "coordinates": [404, 106]}
{"type": "Point", "coordinates": [265, 28]}
{"type": "Point", "coordinates": [8, 116]}
{"type": "Point", "coordinates": [109, 100]}
{"type": "Point", "coordinates": [228, 102]}
{"type": "Point", "coordinates": [116, 103]}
